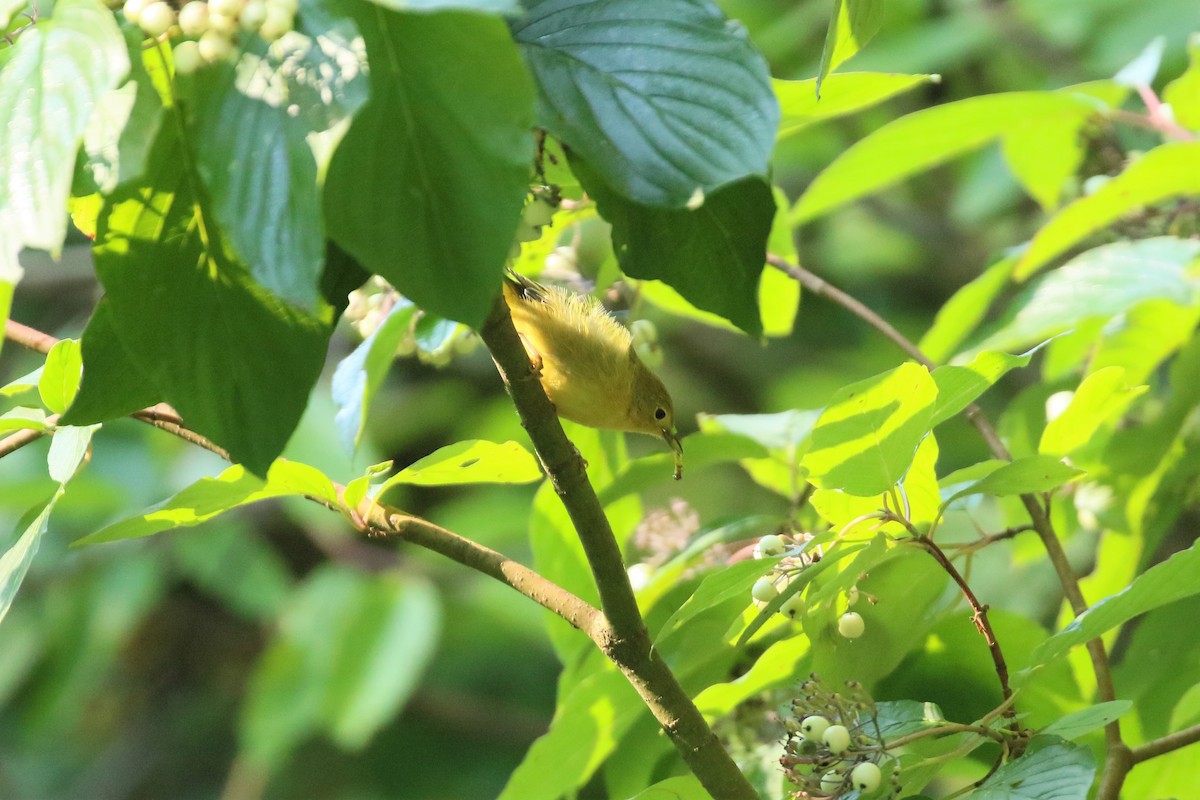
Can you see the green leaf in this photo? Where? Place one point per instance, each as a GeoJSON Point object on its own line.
{"type": "Point", "coordinates": [868, 434]}
{"type": "Point", "coordinates": [727, 583]}
{"type": "Point", "coordinates": [472, 461]}
{"type": "Point", "coordinates": [1167, 171]}
{"type": "Point", "coordinates": [925, 139]}
{"type": "Point", "coordinates": [801, 107]}
{"type": "Point", "coordinates": [1098, 284]}
{"type": "Point", "coordinates": [22, 418]}
{"type": "Point", "coordinates": [112, 386]}
{"type": "Point", "coordinates": [587, 725]}
{"type": "Point", "coordinates": [1183, 93]}
{"type": "Point", "coordinates": [123, 126]}
{"type": "Point", "coordinates": [853, 24]}
{"type": "Point", "coordinates": [384, 645]}
{"type": "Point", "coordinates": [1029, 475]}
{"type": "Point", "coordinates": [963, 312]}
{"type": "Point", "coordinates": [14, 564]}
{"type": "Point", "coordinates": [261, 178]}
{"type": "Point", "coordinates": [1045, 152]}
{"type": "Point", "coordinates": [68, 449]}
{"type": "Point", "coordinates": [958, 386]}
{"type": "Point", "coordinates": [1086, 720]}
{"type": "Point", "coordinates": [50, 83]}
{"type": "Point", "coordinates": [781, 431]}
{"type": "Point", "coordinates": [1051, 769]}
{"type": "Point", "coordinates": [713, 255]}
{"type": "Point", "coordinates": [778, 292]}
{"type": "Point", "coordinates": [359, 375]}
{"type": "Point", "coordinates": [661, 98]}
{"type": "Point", "coordinates": [1101, 397]}
{"type": "Point", "coordinates": [1174, 579]}
{"type": "Point", "coordinates": [685, 787]}
{"type": "Point", "coordinates": [60, 377]}
{"type": "Point", "coordinates": [209, 497]}
{"type": "Point", "coordinates": [487, 6]}
{"type": "Point", "coordinates": [444, 138]}
{"type": "Point", "coordinates": [236, 362]}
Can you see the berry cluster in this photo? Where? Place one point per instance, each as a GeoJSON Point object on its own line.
{"type": "Point", "coordinates": [768, 587]}
{"type": "Point", "coordinates": [833, 745]}
{"type": "Point", "coordinates": [208, 31]}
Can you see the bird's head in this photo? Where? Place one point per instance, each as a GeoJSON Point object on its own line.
{"type": "Point", "coordinates": [652, 412]}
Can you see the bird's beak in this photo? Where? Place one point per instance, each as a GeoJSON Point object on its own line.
{"type": "Point", "coordinates": [677, 447]}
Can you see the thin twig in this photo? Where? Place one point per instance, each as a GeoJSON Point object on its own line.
{"type": "Point", "coordinates": [1166, 744]}
{"type": "Point", "coordinates": [1037, 514]}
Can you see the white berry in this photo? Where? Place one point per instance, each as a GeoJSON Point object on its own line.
{"type": "Point", "coordinates": [215, 46]}
{"type": "Point", "coordinates": [187, 58]}
{"type": "Point", "coordinates": [228, 8]}
{"type": "Point", "coordinates": [133, 9]}
{"type": "Point", "coordinates": [831, 781]}
{"type": "Point", "coordinates": [223, 24]}
{"type": "Point", "coordinates": [813, 728]}
{"type": "Point", "coordinates": [290, 6]}
{"type": "Point", "coordinates": [866, 777]}
{"type": "Point", "coordinates": [193, 18]}
{"type": "Point", "coordinates": [793, 607]}
{"type": "Point", "coordinates": [253, 15]}
{"type": "Point", "coordinates": [851, 625]}
{"type": "Point", "coordinates": [771, 545]}
{"type": "Point", "coordinates": [837, 739]}
{"type": "Point", "coordinates": [764, 590]}
{"type": "Point", "coordinates": [156, 19]}
{"type": "Point", "coordinates": [278, 22]}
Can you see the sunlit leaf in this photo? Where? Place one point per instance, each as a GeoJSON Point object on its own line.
{"type": "Point", "coordinates": [1024, 476]}
{"type": "Point", "coordinates": [60, 376]}
{"type": "Point", "coordinates": [1167, 171]}
{"type": "Point", "coordinates": [867, 436]}
{"type": "Point", "coordinates": [473, 461]}
{"type": "Point", "coordinates": [841, 94]}
{"type": "Point", "coordinates": [853, 24]}
{"type": "Point", "coordinates": [958, 386]}
{"type": "Point", "coordinates": [1100, 397]}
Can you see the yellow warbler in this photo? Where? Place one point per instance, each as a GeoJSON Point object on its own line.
{"type": "Point", "coordinates": [587, 363]}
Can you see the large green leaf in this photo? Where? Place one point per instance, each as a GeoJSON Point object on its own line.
{"type": "Point", "coordinates": [426, 187]}
{"type": "Point", "coordinates": [587, 725]}
{"type": "Point", "coordinates": [14, 563]}
{"type": "Point", "coordinates": [868, 434]}
{"type": "Point", "coordinates": [49, 85]}
{"type": "Point", "coordinates": [800, 106]}
{"type": "Point", "coordinates": [1174, 579]}
{"type": "Point", "coordinates": [1168, 171]}
{"type": "Point", "coordinates": [1183, 93]}
{"type": "Point", "coordinates": [853, 24]}
{"type": "Point", "coordinates": [927, 138]}
{"type": "Point", "coordinates": [261, 178]}
{"type": "Point", "coordinates": [1101, 397]}
{"type": "Point", "coordinates": [1051, 769]}
{"type": "Point", "coordinates": [713, 255]}
{"type": "Point", "coordinates": [959, 386]}
{"type": "Point", "coordinates": [1099, 283]}
{"type": "Point", "coordinates": [210, 497]}
{"type": "Point", "coordinates": [1024, 476]}
{"type": "Point", "coordinates": [233, 359]}
{"type": "Point", "coordinates": [60, 376]}
{"type": "Point", "coordinates": [662, 98]}
{"type": "Point", "coordinates": [112, 384]}
{"type": "Point", "coordinates": [472, 461]}
{"type": "Point", "coordinates": [1086, 720]}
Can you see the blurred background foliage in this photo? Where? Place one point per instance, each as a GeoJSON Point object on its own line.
{"type": "Point", "coordinates": [150, 669]}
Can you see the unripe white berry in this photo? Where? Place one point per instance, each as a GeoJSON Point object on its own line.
{"type": "Point", "coordinates": [771, 545]}
{"type": "Point", "coordinates": [837, 739]}
{"type": "Point", "coordinates": [187, 57]}
{"type": "Point", "coordinates": [253, 15]}
{"type": "Point", "coordinates": [193, 18]}
{"type": "Point", "coordinates": [133, 9]}
{"type": "Point", "coordinates": [215, 46]}
{"type": "Point", "coordinates": [764, 590]}
{"type": "Point", "coordinates": [290, 6]}
{"type": "Point", "coordinates": [866, 777]}
{"type": "Point", "coordinates": [278, 22]}
{"type": "Point", "coordinates": [223, 24]}
{"type": "Point", "coordinates": [538, 212]}
{"type": "Point", "coordinates": [793, 607]}
{"type": "Point", "coordinates": [156, 19]}
{"type": "Point", "coordinates": [813, 728]}
{"type": "Point", "coordinates": [831, 781]}
{"type": "Point", "coordinates": [228, 8]}
{"type": "Point", "coordinates": [851, 625]}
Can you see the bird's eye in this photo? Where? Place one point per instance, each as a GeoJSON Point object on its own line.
{"type": "Point", "coordinates": [660, 413]}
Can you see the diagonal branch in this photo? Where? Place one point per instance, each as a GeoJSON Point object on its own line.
{"type": "Point", "coordinates": [630, 646]}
